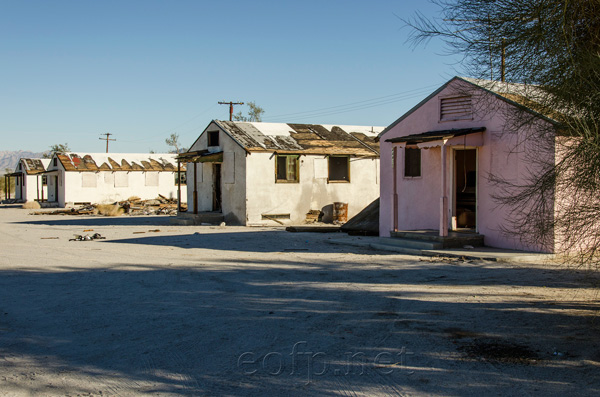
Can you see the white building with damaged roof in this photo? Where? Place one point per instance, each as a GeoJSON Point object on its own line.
{"type": "Point", "coordinates": [254, 173]}
{"type": "Point", "coordinates": [78, 178]}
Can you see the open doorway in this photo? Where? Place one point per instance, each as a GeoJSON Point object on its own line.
{"type": "Point", "coordinates": [465, 188]}
{"type": "Point", "coordinates": [217, 187]}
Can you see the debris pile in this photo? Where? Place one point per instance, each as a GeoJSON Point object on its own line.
{"type": "Point", "coordinates": [158, 206]}
{"type": "Point", "coordinates": [132, 206]}
{"type": "Point", "coordinates": [313, 216]}
{"type": "Point", "coordinates": [87, 237]}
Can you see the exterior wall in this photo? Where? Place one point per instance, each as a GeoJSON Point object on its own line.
{"type": "Point", "coordinates": [105, 190]}
{"type": "Point", "coordinates": [313, 192]}
{"type": "Point", "coordinates": [72, 189]}
{"type": "Point", "coordinates": [233, 178]}
{"type": "Point", "coordinates": [32, 188]}
{"type": "Point", "coordinates": [419, 198]}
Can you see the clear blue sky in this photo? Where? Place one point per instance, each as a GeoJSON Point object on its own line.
{"type": "Point", "coordinates": [72, 70]}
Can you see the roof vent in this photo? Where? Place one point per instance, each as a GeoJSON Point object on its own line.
{"type": "Point", "coordinates": [456, 108]}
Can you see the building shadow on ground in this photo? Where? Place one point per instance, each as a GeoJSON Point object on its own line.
{"type": "Point", "coordinates": [279, 327]}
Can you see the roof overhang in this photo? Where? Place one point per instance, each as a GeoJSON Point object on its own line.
{"type": "Point", "coordinates": [470, 137]}
{"type": "Point", "coordinates": [202, 156]}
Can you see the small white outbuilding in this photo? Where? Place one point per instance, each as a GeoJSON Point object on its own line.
{"type": "Point", "coordinates": [30, 182]}
{"type": "Point", "coordinates": [75, 178]}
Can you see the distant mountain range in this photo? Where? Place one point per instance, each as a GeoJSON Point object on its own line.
{"type": "Point", "coordinates": [9, 159]}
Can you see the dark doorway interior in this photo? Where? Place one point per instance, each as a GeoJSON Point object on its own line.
{"type": "Point", "coordinates": [465, 188]}
{"type": "Point", "coordinates": [217, 187]}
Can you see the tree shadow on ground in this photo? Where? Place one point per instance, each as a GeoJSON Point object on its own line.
{"type": "Point", "coordinates": [277, 327]}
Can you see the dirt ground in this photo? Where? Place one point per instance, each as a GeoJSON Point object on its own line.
{"type": "Point", "coordinates": [161, 310]}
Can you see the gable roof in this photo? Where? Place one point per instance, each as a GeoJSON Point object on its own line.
{"type": "Point", "coordinates": [519, 95]}
{"type": "Point", "coordinates": [33, 166]}
{"type": "Point", "coordinates": [118, 161]}
{"type": "Point", "coordinates": [303, 138]}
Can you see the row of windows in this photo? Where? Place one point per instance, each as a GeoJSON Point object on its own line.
{"type": "Point", "coordinates": [287, 169]}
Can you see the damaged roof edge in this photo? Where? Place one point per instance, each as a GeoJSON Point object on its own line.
{"type": "Point", "coordinates": [228, 134]}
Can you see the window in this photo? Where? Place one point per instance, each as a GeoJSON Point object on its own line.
{"type": "Point", "coordinates": [44, 180]}
{"type": "Point", "coordinates": [339, 169]}
{"type": "Point", "coordinates": [54, 162]}
{"type": "Point", "coordinates": [180, 177]}
{"type": "Point", "coordinates": [456, 108]}
{"type": "Point", "coordinates": [213, 138]}
{"type": "Point", "coordinates": [412, 162]}
{"type": "Point", "coordinates": [287, 169]}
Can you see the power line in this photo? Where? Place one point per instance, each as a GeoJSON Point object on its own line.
{"type": "Point", "coordinates": [368, 103]}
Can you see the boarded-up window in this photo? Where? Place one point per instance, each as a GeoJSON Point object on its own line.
{"type": "Point", "coordinates": [339, 169]}
{"type": "Point", "coordinates": [151, 178]}
{"type": "Point", "coordinates": [287, 169]}
{"type": "Point", "coordinates": [412, 162]}
{"type": "Point", "coordinates": [228, 167]}
{"type": "Point", "coordinates": [121, 179]}
{"type": "Point", "coordinates": [109, 178]}
{"type": "Point", "coordinates": [88, 179]}
{"type": "Point", "coordinates": [456, 108]}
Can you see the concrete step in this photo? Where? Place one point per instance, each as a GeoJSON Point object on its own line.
{"type": "Point", "coordinates": [453, 240]}
{"type": "Point", "coordinates": [410, 243]}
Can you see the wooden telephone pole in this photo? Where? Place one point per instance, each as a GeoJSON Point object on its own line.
{"type": "Point", "coordinates": [108, 134]}
{"type": "Point", "coordinates": [231, 107]}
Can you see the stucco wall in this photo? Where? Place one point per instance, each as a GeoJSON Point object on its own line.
{"type": "Point", "coordinates": [233, 178]}
{"type": "Point", "coordinates": [74, 190]}
{"type": "Point", "coordinates": [31, 188]}
{"type": "Point", "coordinates": [419, 198]}
{"type": "Point", "coordinates": [313, 192]}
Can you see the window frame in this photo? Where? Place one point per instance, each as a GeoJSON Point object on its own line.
{"type": "Point", "coordinates": [408, 167]}
{"type": "Point", "coordinates": [329, 178]}
{"type": "Point", "coordinates": [288, 158]}
{"type": "Point", "coordinates": [180, 176]}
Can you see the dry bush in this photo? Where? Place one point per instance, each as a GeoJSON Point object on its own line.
{"type": "Point", "coordinates": [31, 205]}
{"type": "Point", "coordinates": [109, 210]}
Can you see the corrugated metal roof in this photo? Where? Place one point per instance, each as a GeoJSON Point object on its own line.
{"type": "Point", "coordinates": [119, 162]}
{"type": "Point", "coordinates": [304, 138]}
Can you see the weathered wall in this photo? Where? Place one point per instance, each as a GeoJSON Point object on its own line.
{"type": "Point", "coordinates": [233, 178]}
{"type": "Point", "coordinates": [104, 187]}
{"type": "Point", "coordinates": [419, 198]}
{"type": "Point", "coordinates": [32, 188]}
{"type": "Point", "coordinates": [313, 192]}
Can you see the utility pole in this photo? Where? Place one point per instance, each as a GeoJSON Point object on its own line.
{"type": "Point", "coordinates": [231, 107]}
{"type": "Point", "coordinates": [108, 134]}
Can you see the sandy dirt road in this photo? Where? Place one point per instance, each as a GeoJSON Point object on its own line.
{"type": "Point", "coordinates": [171, 310]}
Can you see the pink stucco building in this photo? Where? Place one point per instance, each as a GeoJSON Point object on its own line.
{"type": "Point", "coordinates": [437, 161]}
